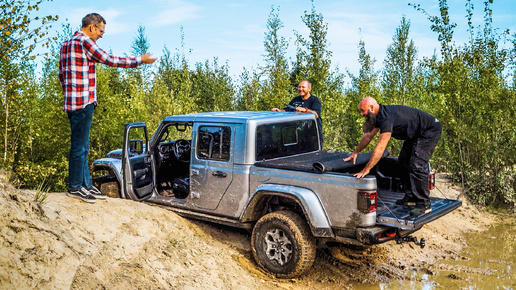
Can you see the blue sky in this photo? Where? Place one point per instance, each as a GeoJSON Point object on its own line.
{"type": "Point", "coordinates": [234, 30]}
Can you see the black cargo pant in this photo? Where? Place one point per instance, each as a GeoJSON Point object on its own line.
{"type": "Point", "coordinates": [414, 158]}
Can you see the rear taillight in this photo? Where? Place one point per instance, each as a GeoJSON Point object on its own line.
{"type": "Point", "coordinates": [367, 201]}
{"type": "Point", "coordinates": [432, 180]}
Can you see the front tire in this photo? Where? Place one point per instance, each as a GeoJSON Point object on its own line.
{"type": "Point", "coordinates": [283, 244]}
{"type": "Point", "coordinates": [110, 189]}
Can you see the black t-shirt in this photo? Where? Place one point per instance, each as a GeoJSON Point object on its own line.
{"type": "Point", "coordinates": [313, 103]}
{"type": "Point", "coordinates": [404, 122]}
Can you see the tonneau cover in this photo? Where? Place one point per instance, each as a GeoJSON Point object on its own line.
{"type": "Point", "coordinates": [319, 162]}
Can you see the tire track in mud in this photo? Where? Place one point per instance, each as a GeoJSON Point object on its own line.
{"type": "Point", "coordinates": [363, 264]}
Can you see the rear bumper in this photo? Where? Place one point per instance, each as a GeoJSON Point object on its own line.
{"type": "Point", "coordinates": [381, 234]}
{"type": "Point", "coordinates": [374, 235]}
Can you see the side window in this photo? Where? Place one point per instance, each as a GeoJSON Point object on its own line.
{"type": "Point", "coordinates": [214, 143]}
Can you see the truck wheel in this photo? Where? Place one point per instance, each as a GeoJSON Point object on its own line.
{"type": "Point", "coordinates": [283, 244]}
{"type": "Point", "coordinates": [110, 189]}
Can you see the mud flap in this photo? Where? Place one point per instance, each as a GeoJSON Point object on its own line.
{"type": "Point", "coordinates": [390, 214]}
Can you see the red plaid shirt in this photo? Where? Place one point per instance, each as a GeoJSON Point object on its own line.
{"type": "Point", "coordinates": [77, 70]}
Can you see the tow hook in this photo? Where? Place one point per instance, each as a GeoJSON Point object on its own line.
{"type": "Point", "coordinates": [408, 239]}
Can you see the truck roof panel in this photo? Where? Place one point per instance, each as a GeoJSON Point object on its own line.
{"type": "Point", "coordinates": [237, 116]}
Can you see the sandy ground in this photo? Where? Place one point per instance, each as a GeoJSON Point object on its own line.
{"type": "Point", "coordinates": [64, 243]}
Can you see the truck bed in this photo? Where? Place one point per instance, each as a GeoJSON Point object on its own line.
{"type": "Point", "coordinates": [388, 212]}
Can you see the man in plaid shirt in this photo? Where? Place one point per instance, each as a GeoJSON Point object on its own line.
{"type": "Point", "coordinates": [77, 76]}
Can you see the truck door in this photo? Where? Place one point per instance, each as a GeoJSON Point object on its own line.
{"type": "Point", "coordinates": [211, 169]}
{"type": "Point", "coordinates": [137, 168]}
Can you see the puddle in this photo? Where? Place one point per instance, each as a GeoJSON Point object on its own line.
{"type": "Point", "coordinates": [488, 262]}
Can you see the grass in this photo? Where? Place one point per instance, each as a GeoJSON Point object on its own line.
{"type": "Point", "coordinates": [41, 193]}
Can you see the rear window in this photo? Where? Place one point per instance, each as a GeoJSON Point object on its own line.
{"type": "Point", "coordinates": [286, 139]}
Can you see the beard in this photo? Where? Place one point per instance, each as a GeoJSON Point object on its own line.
{"type": "Point", "coordinates": [369, 123]}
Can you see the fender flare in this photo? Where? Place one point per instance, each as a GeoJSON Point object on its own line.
{"type": "Point", "coordinates": [306, 198]}
{"type": "Point", "coordinates": [114, 165]}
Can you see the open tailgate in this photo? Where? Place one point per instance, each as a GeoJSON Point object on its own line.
{"type": "Point", "coordinates": [391, 214]}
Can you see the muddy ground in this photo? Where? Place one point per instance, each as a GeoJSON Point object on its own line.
{"type": "Point", "coordinates": [64, 243]}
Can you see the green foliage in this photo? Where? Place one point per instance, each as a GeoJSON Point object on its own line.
{"type": "Point", "coordinates": [470, 88]}
{"type": "Point", "coordinates": [363, 85]}
{"type": "Point", "coordinates": [275, 88]}
{"type": "Point", "coordinates": [212, 88]}
{"type": "Point", "coordinates": [19, 31]}
{"type": "Point", "coordinates": [140, 43]}
{"type": "Point", "coordinates": [399, 67]}
{"type": "Point", "coordinates": [248, 93]}
{"type": "Point", "coordinates": [313, 61]}
{"type": "Point", "coordinates": [313, 58]}
{"type": "Point", "coordinates": [476, 109]}
{"type": "Point", "coordinates": [41, 193]}
{"type": "Point", "coordinates": [140, 46]}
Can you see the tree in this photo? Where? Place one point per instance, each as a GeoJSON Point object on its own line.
{"type": "Point", "coordinates": [18, 27]}
{"type": "Point", "coordinates": [212, 88]}
{"type": "Point", "coordinates": [248, 92]}
{"type": "Point", "coordinates": [140, 46]}
{"type": "Point", "coordinates": [313, 62]}
{"type": "Point", "coordinates": [276, 89]}
{"type": "Point", "coordinates": [41, 154]}
{"type": "Point", "coordinates": [19, 36]}
{"type": "Point", "coordinates": [476, 107]}
{"type": "Point", "coordinates": [363, 85]}
{"type": "Point", "coordinates": [398, 74]}
{"type": "Point", "coordinates": [313, 59]}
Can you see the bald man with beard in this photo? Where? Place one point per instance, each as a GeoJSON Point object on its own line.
{"type": "Point", "coordinates": [420, 132]}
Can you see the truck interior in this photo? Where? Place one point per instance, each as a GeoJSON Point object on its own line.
{"type": "Point", "coordinates": [172, 157]}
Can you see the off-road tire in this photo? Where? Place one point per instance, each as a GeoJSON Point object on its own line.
{"type": "Point", "coordinates": [285, 226]}
{"type": "Point", "coordinates": [110, 189]}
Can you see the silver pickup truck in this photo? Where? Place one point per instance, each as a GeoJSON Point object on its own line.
{"type": "Point", "coordinates": [265, 172]}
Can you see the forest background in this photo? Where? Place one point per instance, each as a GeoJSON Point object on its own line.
{"type": "Point", "coordinates": [469, 87]}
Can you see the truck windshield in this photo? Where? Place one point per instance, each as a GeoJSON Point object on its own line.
{"type": "Point", "coordinates": [286, 139]}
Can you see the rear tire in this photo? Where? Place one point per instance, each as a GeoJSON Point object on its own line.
{"type": "Point", "coordinates": [283, 244]}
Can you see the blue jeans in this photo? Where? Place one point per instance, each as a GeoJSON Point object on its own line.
{"type": "Point", "coordinates": [78, 170]}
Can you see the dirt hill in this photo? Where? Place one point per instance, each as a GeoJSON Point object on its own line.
{"type": "Point", "coordinates": [64, 243]}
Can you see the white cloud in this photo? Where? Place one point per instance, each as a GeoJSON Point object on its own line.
{"type": "Point", "coordinates": [175, 12]}
{"type": "Point", "coordinates": [113, 23]}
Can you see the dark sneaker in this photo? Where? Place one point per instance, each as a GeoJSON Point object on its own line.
{"type": "Point", "coordinates": [96, 193]}
{"type": "Point", "coordinates": [406, 201]}
{"type": "Point", "coordinates": [82, 194]}
{"type": "Point", "coordinates": [421, 210]}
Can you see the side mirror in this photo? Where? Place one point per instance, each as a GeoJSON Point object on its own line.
{"type": "Point", "coordinates": [136, 146]}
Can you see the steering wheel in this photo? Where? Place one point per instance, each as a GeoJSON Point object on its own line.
{"type": "Point", "coordinates": [182, 149]}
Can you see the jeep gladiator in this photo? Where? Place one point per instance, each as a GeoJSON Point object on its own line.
{"type": "Point", "coordinates": [264, 172]}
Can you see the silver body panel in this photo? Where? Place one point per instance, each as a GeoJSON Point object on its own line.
{"type": "Point", "coordinates": [335, 193]}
